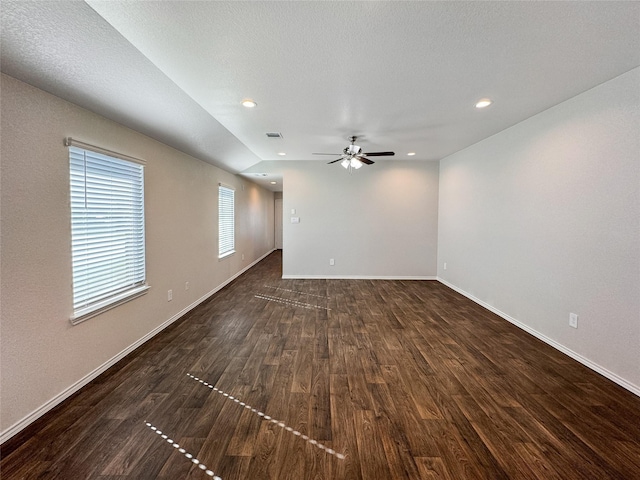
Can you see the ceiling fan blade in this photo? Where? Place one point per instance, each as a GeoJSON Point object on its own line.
{"type": "Point", "coordinates": [379, 154]}
{"type": "Point", "coordinates": [365, 160]}
{"type": "Point", "coordinates": [332, 154]}
{"type": "Point", "coordinates": [334, 161]}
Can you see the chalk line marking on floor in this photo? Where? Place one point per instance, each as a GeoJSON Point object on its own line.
{"type": "Point", "coordinates": [290, 302]}
{"type": "Point", "coordinates": [193, 459]}
{"type": "Point", "coordinates": [282, 425]}
{"type": "Point", "coordinates": [296, 291]}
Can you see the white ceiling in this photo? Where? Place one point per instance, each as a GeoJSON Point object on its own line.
{"type": "Point", "coordinates": [403, 75]}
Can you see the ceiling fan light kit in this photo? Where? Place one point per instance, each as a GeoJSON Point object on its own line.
{"type": "Point", "coordinates": [351, 164]}
{"type": "Point", "coordinates": [353, 158]}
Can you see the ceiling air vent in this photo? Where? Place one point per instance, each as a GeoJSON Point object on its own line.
{"type": "Point", "coordinates": [274, 135]}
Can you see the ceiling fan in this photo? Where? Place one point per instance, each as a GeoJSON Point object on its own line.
{"type": "Point", "coordinates": [352, 156]}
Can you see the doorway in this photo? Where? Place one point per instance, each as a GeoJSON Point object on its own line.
{"type": "Point", "coordinates": [278, 222]}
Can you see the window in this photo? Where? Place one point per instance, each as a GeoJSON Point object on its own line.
{"type": "Point", "coordinates": [226, 221]}
{"type": "Point", "coordinates": [107, 229]}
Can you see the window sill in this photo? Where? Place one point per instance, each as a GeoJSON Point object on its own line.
{"type": "Point", "coordinates": [83, 314]}
{"type": "Point", "coordinates": [225, 255]}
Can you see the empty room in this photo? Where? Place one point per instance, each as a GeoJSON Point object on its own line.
{"type": "Point", "coordinates": [319, 240]}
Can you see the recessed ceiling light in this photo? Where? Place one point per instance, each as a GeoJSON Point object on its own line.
{"type": "Point", "coordinates": [249, 103]}
{"type": "Point", "coordinates": [261, 174]}
{"type": "Point", "coordinates": [484, 102]}
{"type": "Point", "coordinates": [411, 154]}
{"type": "Point", "coordinates": [282, 154]}
{"type": "Point", "coordinates": [273, 183]}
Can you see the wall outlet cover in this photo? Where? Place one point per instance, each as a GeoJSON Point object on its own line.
{"type": "Point", "coordinates": [573, 320]}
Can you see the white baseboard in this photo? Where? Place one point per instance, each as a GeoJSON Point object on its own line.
{"type": "Point", "coordinates": [558, 346]}
{"type": "Point", "coordinates": [66, 393]}
{"type": "Point", "coordinates": [357, 277]}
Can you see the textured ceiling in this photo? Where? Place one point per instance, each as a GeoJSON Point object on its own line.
{"type": "Point", "coordinates": [67, 49]}
{"type": "Point", "coordinates": [402, 75]}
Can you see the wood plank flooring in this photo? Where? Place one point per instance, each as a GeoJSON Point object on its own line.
{"type": "Point", "coordinates": [337, 379]}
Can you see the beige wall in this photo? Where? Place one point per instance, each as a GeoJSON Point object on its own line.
{"type": "Point", "coordinates": [543, 219]}
{"type": "Point", "coordinates": [44, 357]}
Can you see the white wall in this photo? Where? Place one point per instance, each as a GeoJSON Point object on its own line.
{"type": "Point", "coordinates": [43, 356]}
{"type": "Point", "coordinates": [543, 219]}
{"type": "Point", "coordinates": [378, 222]}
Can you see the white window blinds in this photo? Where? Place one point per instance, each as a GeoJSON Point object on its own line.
{"type": "Point", "coordinates": [107, 229]}
{"type": "Point", "coordinates": [226, 221]}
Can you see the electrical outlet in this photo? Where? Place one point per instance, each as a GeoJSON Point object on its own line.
{"type": "Point", "coordinates": [186, 285]}
{"type": "Point", "coordinates": [445, 265]}
{"type": "Point", "coordinates": [243, 256]}
{"type": "Point", "coordinates": [169, 295]}
{"type": "Point", "coordinates": [332, 262]}
{"type": "Point", "coordinates": [573, 320]}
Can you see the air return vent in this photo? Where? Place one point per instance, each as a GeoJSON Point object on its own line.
{"type": "Point", "coordinates": [274, 135]}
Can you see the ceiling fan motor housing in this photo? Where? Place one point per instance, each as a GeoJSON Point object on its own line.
{"type": "Point", "coordinates": [352, 150]}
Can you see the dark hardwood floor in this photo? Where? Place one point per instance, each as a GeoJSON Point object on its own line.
{"type": "Point", "coordinates": [337, 379]}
